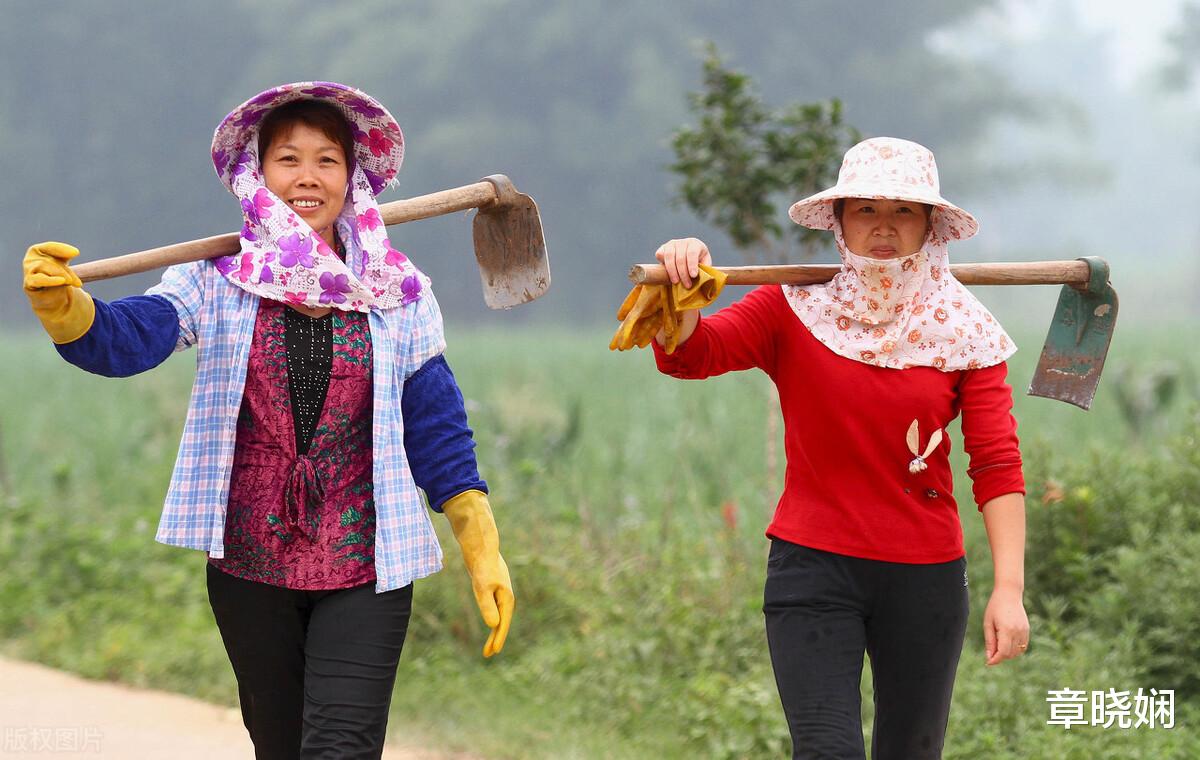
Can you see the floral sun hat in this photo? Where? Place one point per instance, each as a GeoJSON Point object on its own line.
{"type": "Point", "coordinates": [887, 168]}
{"type": "Point", "coordinates": [904, 312]}
{"type": "Point", "coordinates": [281, 257]}
{"type": "Point", "coordinates": [378, 141]}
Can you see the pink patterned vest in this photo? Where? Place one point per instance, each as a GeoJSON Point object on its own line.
{"type": "Point", "coordinates": [303, 522]}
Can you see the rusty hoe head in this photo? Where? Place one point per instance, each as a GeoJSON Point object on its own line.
{"type": "Point", "coordinates": [510, 247]}
{"type": "Point", "coordinates": [1077, 343]}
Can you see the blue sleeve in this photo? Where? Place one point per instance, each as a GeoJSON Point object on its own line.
{"type": "Point", "coordinates": [128, 336]}
{"type": "Point", "coordinates": [437, 441]}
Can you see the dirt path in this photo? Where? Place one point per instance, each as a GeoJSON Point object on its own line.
{"type": "Point", "coordinates": [47, 713]}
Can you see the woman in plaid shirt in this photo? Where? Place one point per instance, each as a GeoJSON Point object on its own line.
{"type": "Point", "coordinates": [322, 403]}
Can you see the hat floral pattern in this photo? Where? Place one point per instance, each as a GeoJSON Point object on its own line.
{"type": "Point", "coordinates": [893, 169]}
{"type": "Point", "coordinates": [903, 312]}
{"type": "Point", "coordinates": [281, 257]}
{"type": "Point", "coordinates": [378, 141]}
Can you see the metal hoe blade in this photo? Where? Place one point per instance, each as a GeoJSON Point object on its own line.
{"type": "Point", "coordinates": [510, 248]}
{"type": "Point", "coordinates": [1077, 343]}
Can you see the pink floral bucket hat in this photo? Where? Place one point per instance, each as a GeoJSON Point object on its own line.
{"type": "Point", "coordinates": [887, 168]}
{"type": "Point", "coordinates": [281, 257]}
{"type": "Point", "coordinates": [900, 312]}
{"type": "Point", "coordinates": [378, 141]}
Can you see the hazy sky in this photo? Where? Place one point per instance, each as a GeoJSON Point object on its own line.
{"type": "Point", "coordinates": [1135, 33]}
{"type": "Point", "coordinates": [1129, 212]}
{"type": "Point", "coordinates": [1102, 169]}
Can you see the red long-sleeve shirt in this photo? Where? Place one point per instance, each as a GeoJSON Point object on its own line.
{"type": "Point", "coordinates": [848, 488]}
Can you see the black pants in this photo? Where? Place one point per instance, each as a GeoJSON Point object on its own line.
{"type": "Point", "coordinates": [823, 611]}
{"type": "Point", "coordinates": [315, 669]}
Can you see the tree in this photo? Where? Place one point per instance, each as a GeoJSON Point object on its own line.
{"type": "Point", "coordinates": [1184, 40]}
{"type": "Point", "coordinates": [575, 101]}
{"type": "Point", "coordinates": [742, 163]}
{"type": "Point", "coordinates": [743, 160]}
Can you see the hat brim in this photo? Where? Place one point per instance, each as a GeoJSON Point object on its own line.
{"type": "Point", "coordinates": [378, 140]}
{"type": "Point", "coordinates": [949, 221]}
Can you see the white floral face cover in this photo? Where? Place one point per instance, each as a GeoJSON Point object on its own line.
{"type": "Point", "coordinates": [903, 312]}
{"type": "Point", "coordinates": [283, 259]}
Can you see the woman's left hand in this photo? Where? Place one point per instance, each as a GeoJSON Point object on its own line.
{"type": "Point", "coordinates": [471, 519]}
{"type": "Point", "coordinates": [1005, 626]}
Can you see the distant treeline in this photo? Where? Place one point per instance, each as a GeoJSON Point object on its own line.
{"type": "Point", "coordinates": [106, 111]}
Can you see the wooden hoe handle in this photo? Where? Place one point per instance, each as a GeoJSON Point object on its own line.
{"type": "Point", "coordinates": [478, 195]}
{"type": "Point", "coordinates": [1074, 273]}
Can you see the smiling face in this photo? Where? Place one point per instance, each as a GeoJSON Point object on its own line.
{"type": "Point", "coordinates": [308, 171]}
{"type": "Point", "coordinates": [884, 229]}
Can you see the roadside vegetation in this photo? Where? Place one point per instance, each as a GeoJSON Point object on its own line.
{"type": "Point", "coordinates": [631, 509]}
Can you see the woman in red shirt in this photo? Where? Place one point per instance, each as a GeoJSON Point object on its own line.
{"type": "Point", "coordinates": [867, 551]}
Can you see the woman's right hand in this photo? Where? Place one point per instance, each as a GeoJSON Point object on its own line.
{"type": "Point", "coordinates": [682, 258]}
{"type": "Point", "coordinates": [55, 292]}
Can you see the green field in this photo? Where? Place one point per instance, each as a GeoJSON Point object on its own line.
{"type": "Point", "coordinates": [631, 509]}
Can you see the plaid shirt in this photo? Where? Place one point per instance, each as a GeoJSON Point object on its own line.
{"type": "Point", "coordinates": [218, 318]}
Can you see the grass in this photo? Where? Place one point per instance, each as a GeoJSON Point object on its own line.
{"type": "Point", "coordinates": [631, 509]}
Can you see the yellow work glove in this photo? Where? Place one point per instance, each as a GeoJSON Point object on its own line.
{"type": "Point", "coordinates": [471, 520]}
{"type": "Point", "coordinates": [56, 293]}
{"type": "Point", "coordinates": [641, 317]}
{"type": "Point", "coordinates": [650, 308]}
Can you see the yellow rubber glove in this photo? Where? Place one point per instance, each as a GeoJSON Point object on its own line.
{"type": "Point", "coordinates": [56, 293]}
{"type": "Point", "coordinates": [650, 308]}
{"type": "Point", "coordinates": [641, 317]}
{"type": "Point", "coordinates": [471, 520]}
